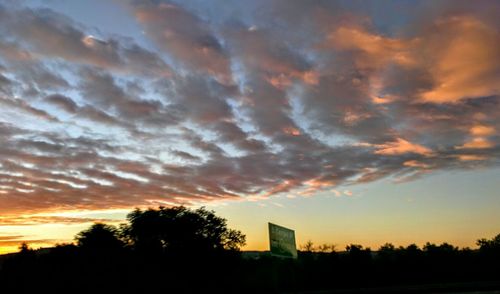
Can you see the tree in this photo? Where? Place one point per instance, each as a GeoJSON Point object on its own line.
{"type": "Point", "coordinates": [387, 252]}
{"type": "Point", "coordinates": [357, 253]}
{"type": "Point", "coordinates": [99, 238]}
{"type": "Point", "coordinates": [489, 245]}
{"type": "Point", "coordinates": [24, 248]}
{"type": "Point", "coordinates": [490, 249]}
{"type": "Point", "coordinates": [25, 252]}
{"type": "Point", "coordinates": [180, 229]}
{"type": "Point", "coordinates": [308, 247]}
{"type": "Point", "coordinates": [355, 248]}
{"type": "Point", "coordinates": [387, 247]}
{"type": "Point", "coordinates": [440, 252]}
{"type": "Point", "coordinates": [326, 248]}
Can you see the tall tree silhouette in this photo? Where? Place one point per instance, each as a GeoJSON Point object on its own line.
{"type": "Point", "coordinates": [179, 229]}
{"type": "Point", "coordinates": [99, 238]}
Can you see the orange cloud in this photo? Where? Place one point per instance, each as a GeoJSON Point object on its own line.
{"type": "Point", "coordinates": [479, 140]}
{"type": "Point", "coordinates": [280, 81]}
{"type": "Point", "coordinates": [28, 220]}
{"type": "Point", "coordinates": [480, 130]}
{"type": "Point", "coordinates": [477, 143]}
{"type": "Point", "coordinates": [292, 131]}
{"type": "Point", "coordinates": [383, 100]}
{"type": "Point", "coordinates": [459, 53]}
{"type": "Point", "coordinates": [310, 77]}
{"type": "Point", "coordinates": [315, 185]}
{"type": "Point", "coordinates": [376, 50]}
{"type": "Point", "coordinates": [284, 186]}
{"type": "Point", "coordinates": [471, 157]}
{"type": "Point", "coordinates": [352, 118]}
{"type": "Point", "coordinates": [415, 163]}
{"type": "Point", "coordinates": [466, 60]}
{"type": "Point", "coordinates": [401, 146]}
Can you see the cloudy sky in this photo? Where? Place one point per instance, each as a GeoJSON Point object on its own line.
{"type": "Point", "coordinates": [350, 121]}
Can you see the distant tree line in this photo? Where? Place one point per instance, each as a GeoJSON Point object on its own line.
{"type": "Point", "coordinates": [180, 250]}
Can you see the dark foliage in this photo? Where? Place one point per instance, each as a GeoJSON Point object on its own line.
{"type": "Point", "coordinates": [178, 250]}
{"type": "Point", "coordinates": [179, 230]}
{"type": "Point", "coordinates": [100, 239]}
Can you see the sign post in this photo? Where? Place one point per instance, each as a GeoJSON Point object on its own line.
{"type": "Point", "coordinates": [282, 241]}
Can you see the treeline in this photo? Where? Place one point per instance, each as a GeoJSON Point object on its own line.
{"type": "Point", "coordinates": [171, 250]}
{"type": "Point", "coordinates": [179, 250]}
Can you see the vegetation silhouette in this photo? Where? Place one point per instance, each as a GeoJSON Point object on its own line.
{"type": "Point", "coordinates": [99, 239]}
{"type": "Point", "coordinates": [179, 230]}
{"type": "Point", "coordinates": [180, 250]}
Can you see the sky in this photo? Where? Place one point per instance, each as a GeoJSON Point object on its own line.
{"type": "Point", "coordinates": [348, 121]}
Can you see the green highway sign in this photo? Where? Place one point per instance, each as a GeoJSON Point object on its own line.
{"type": "Point", "coordinates": [282, 241]}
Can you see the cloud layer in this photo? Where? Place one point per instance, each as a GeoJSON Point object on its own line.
{"type": "Point", "coordinates": [298, 99]}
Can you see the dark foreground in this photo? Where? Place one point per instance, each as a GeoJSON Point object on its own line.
{"type": "Point", "coordinates": [179, 250]}
{"type": "Point", "coordinates": [69, 269]}
{"type": "Point", "coordinates": [450, 288]}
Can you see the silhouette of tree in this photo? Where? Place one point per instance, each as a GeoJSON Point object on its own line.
{"type": "Point", "coordinates": [387, 253]}
{"type": "Point", "coordinates": [99, 238]}
{"type": "Point", "coordinates": [356, 249]}
{"type": "Point", "coordinates": [487, 245]}
{"type": "Point", "coordinates": [24, 248]}
{"type": "Point", "coordinates": [387, 247]}
{"type": "Point", "coordinates": [179, 229]}
{"type": "Point", "coordinates": [233, 240]}
{"type": "Point", "coordinates": [307, 247]}
{"type": "Point", "coordinates": [489, 250]}
{"type": "Point", "coordinates": [410, 255]}
{"type": "Point", "coordinates": [26, 254]}
{"type": "Point", "coordinates": [441, 253]}
{"type": "Point", "coordinates": [326, 248]}
{"type": "Point", "coordinates": [357, 254]}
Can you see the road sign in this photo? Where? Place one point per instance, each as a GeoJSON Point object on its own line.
{"type": "Point", "coordinates": [282, 241]}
